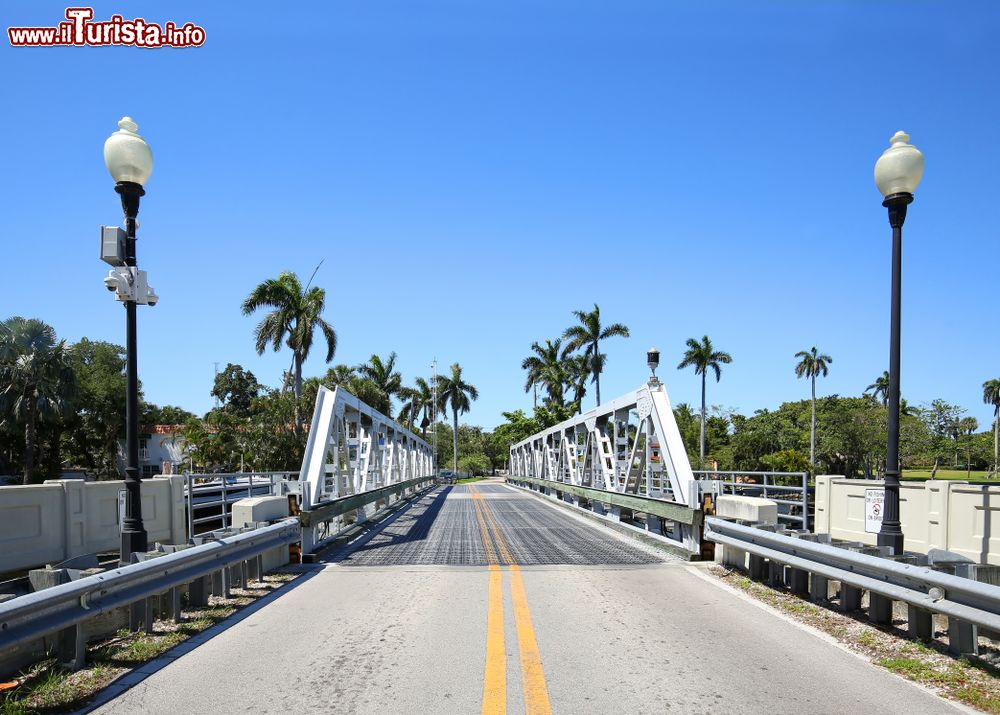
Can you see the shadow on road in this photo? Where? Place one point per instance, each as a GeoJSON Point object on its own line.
{"type": "Point", "coordinates": [411, 523]}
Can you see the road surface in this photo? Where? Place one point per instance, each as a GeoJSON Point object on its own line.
{"type": "Point", "coordinates": [482, 598]}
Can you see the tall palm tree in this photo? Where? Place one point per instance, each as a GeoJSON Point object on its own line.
{"type": "Point", "coordinates": [416, 399]}
{"type": "Point", "coordinates": [297, 313]}
{"type": "Point", "coordinates": [702, 356]}
{"type": "Point", "coordinates": [991, 396]}
{"type": "Point", "coordinates": [880, 387]}
{"type": "Point", "coordinates": [36, 380]}
{"type": "Point", "coordinates": [812, 365]}
{"type": "Point", "coordinates": [587, 337]}
{"type": "Point", "coordinates": [576, 369]}
{"type": "Point", "coordinates": [386, 379]}
{"type": "Point", "coordinates": [546, 368]}
{"type": "Point", "coordinates": [453, 391]}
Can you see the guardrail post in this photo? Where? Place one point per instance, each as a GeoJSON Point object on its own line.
{"type": "Point", "coordinates": [850, 598]}
{"type": "Point", "coordinates": [72, 647]}
{"type": "Point", "coordinates": [879, 608]}
{"type": "Point", "coordinates": [175, 604]}
{"type": "Point", "coordinates": [963, 637]}
{"type": "Point", "coordinates": [198, 591]}
{"type": "Point", "coordinates": [919, 623]}
{"type": "Point", "coordinates": [137, 615]}
{"type": "Point", "coordinates": [775, 574]}
{"type": "Point", "coordinates": [798, 581]}
{"type": "Point", "coordinates": [756, 568]}
{"type": "Point", "coordinates": [819, 588]}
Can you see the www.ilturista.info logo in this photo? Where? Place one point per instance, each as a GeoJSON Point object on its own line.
{"type": "Point", "coordinates": [80, 30]}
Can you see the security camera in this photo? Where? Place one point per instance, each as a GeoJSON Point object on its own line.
{"type": "Point", "coordinates": [151, 297]}
{"type": "Point", "coordinates": [111, 283]}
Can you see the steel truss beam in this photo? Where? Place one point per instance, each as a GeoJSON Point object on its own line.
{"type": "Point", "coordinates": [353, 448]}
{"type": "Point", "coordinates": [628, 445]}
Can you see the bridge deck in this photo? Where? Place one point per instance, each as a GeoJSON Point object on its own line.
{"type": "Point", "coordinates": [423, 618]}
{"type": "Point", "coordinates": [443, 528]}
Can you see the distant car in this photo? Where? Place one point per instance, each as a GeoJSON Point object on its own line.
{"type": "Point", "coordinates": [447, 476]}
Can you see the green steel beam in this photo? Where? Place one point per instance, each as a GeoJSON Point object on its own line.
{"type": "Point", "coordinates": [647, 505]}
{"type": "Point", "coordinates": [336, 507]}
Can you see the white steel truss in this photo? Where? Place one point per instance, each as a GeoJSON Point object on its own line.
{"type": "Point", "coordinates": [354, 448]}
{"type": "Point", "coordinates": [628, 445]}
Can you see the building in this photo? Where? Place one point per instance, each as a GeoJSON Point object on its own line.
{"type": "Point", "coordinates": [161, 450]}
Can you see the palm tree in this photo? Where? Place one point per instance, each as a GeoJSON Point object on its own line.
{"type": "Point", "coordinates": [703, 356]}
{"type": "Point", "coordinates": [36, 380]}
{"type": "Point", "coordinates": [991, 396]}
{"type": "Point", "coordinates": [457, 393]}
{"type": "Point", "coordinates": [880, 387]}
{"type": "Point", "coordinates": [417, 398]}
{"type": "Point", "coordinates": [576, 370]}
{"type": "Point", "coordinates": [295, 316]}
{"type": "Point", "coordinates": [812, 365]}
{"type": "Point", "coordinates": [587, 336]}
{"type": "Point", "coordinates": [968, 426]}
{"type": "Point", "coordinates": [547, 369]}
{"type": "Point", "coordinates": [339, 375]}
{"type": "Point", "coordinates": [386, 379]}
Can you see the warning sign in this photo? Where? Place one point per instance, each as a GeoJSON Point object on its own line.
{"type": "Point", "coordinates": [874, 510]}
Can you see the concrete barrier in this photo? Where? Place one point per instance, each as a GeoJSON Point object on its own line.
{"type": "Point", "coordinates": [257, 509]}
{"type": "Point", "coordinates": [935, 514]}
{"type": "Point", "coordinates": [751, 509]}
{"type": "Point", "coordinates": [63, 518]}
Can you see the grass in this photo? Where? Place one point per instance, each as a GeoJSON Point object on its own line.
{"type": "Point", "coordinates": [955, 474]}
{"type": "Point", "coordinates": [46, 688]}
{"type": "Point", "coordinates": [469, 480]}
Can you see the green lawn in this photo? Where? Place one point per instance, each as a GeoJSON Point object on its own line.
{"type": "Point", "coordinates": [467, 480]}
{"type": "Point", "coordinates": [959, 474]}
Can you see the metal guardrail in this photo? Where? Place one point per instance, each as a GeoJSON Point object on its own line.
{"type": "Point", "coordinates": [43, 613]}
{"type": "Point", "coordinates": [788, 497]}
{"type": "Point", "coordinates": [933, 591]}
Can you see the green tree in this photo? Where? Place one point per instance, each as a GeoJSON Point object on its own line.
{"type": "Point", "coordinates": [703, 356]}
{"type": "Point", "coordinates": [417, 399]}
{"type": "Point", "coordinates": [812, 365]}
{"type": "Point", "coordinates": [587, 337]}
{"type": "Point", "coordinates": [991, 396]}
{"type": "Point", "coordinates": [236, 389]}
{"type": "Point", "coordinates": [296, 315]}
{"type": "Point", "coordinates": [37, 383]}
{"type": "Point", "coordinates": [339, 375]}
{"type": "Point", "coordinates": [385, 378]}
{"type": "Point", "coordinates": [546, 368]}
{"type": "Point", "coordinates": [456, 393]}
{"type": "Point", "coordinates": [576, 369]}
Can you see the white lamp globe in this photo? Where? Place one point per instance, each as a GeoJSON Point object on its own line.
{"type": "Point", "coordinates": [127, 155]}
{"type": "Point", "coordinates": [900, 168]}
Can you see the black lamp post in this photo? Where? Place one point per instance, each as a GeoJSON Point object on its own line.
{"type": "Point", "coordinates": [897, 173]}
{"type": "Point", "coordinates": [130, 162]}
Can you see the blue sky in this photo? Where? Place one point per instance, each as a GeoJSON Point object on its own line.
{"type": "Point", "coordinates": [470, 172]}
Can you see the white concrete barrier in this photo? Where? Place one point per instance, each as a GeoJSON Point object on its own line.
{"type": "Point", "coordinates": [47, 523]}
{"type": "Point", "coordinates": [254, 509]}
{"type": "Point", "coordinates": [935, 514]}
{"type": "Point", "coordinates": [753, 509]}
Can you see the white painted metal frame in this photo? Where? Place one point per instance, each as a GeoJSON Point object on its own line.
{"type": "Point", "coordinates": [600, 449]}
{"type": "Point", "coordinates": [354, 448]}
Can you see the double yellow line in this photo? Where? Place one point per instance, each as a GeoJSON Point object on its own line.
{"type": "Point", "coordinates": [536, 694]}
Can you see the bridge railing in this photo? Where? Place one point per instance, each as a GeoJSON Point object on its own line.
{"type": "Point", "coordinates": [65, 608]}
{"type": "Point", "coordinates": [808, 566]}
{"type": "Point", "coordinates": [627, 447]}
{"type": "Point", "coordinates": [357, 461]}
{"type": "Point", "coordinates": [790, 490]}
{"type": "Point", "coordinates": [210, 497]}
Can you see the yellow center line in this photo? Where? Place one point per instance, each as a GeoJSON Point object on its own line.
{"type": "Point", "coordinates": [495, 674]}
{"type": "Point", "coordinates": [536, 693]}
{"type": "Point", "coordinates": [495, 678]}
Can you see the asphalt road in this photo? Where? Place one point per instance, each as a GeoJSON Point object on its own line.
{"type": "Point", "coordinates": [484, 599]}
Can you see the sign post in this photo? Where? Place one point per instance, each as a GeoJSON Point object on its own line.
{"type": "Point", "coordinates": [874, 510]}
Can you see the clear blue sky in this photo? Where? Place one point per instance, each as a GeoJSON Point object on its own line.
{"type": "Point", "coordinates": [471, 172]}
